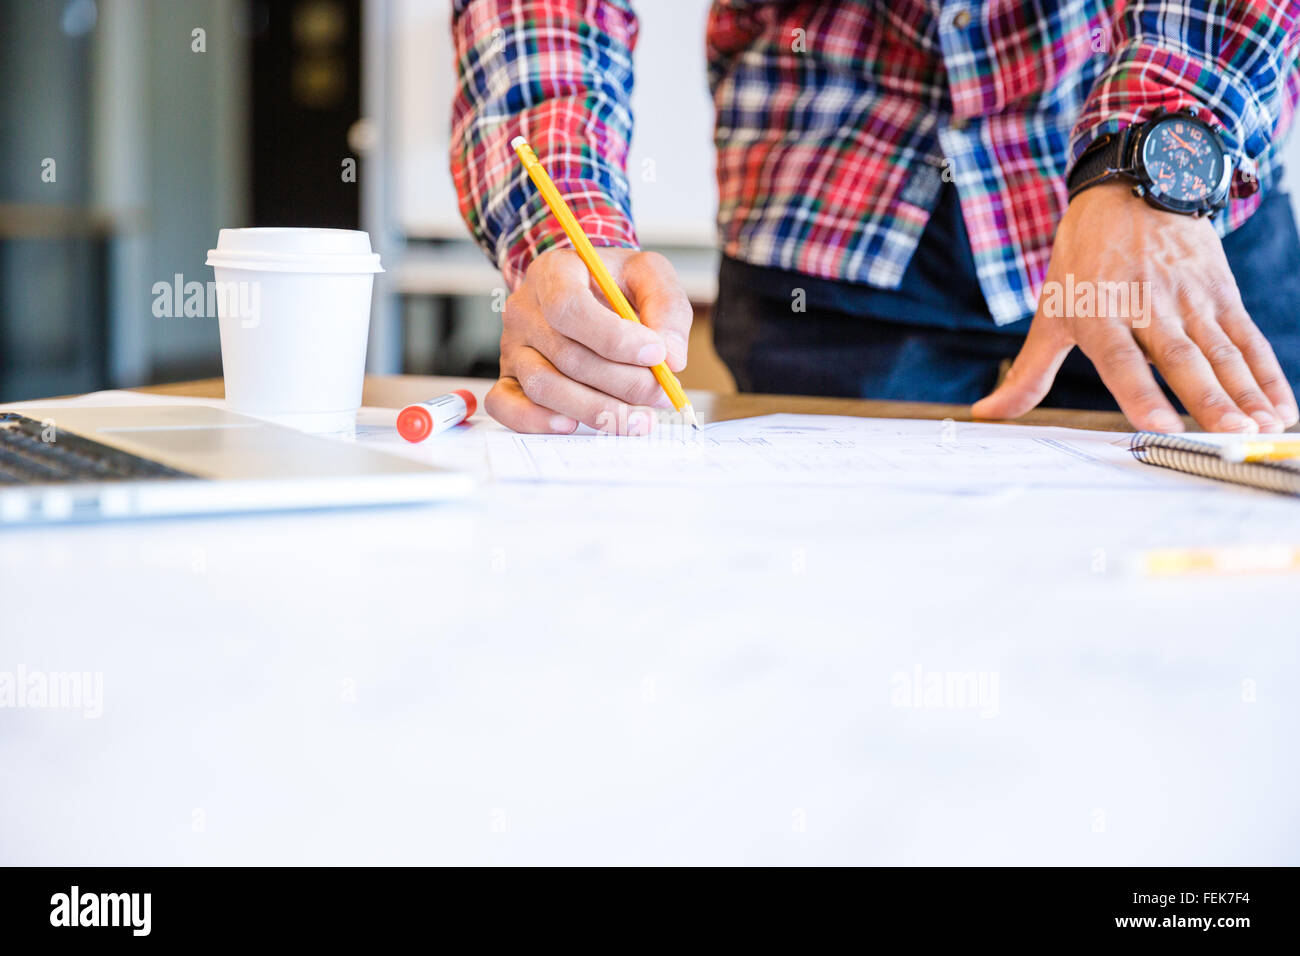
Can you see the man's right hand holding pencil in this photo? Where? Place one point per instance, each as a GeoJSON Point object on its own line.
{"type": "Point", "coordinates": [566, 357]}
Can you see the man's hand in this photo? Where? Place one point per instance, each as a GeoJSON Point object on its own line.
{"type": "Point", "coordinates": [566, 357]}
{"type": "Point", "coordinates": [1194, 328]}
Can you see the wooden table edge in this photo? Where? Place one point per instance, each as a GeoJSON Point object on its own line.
{"type": "Point", "coordinates": [397, 390]}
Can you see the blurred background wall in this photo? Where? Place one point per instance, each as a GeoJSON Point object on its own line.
{"type": "Point", "coordinates": [131, 131]}
{"type": "Point", "coordinates": [121, 152]}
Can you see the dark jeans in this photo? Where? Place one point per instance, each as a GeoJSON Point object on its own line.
{"type": "Point", "coordinates": [869, 353]}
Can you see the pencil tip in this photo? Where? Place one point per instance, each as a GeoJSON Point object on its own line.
{"type": "Point", "coordinates": [688, 413]}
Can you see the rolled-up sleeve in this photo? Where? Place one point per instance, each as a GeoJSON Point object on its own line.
{"type": "Point", "coordinates": [1236, 59]}
{"type": "Point", "coordinates": [559, 73]}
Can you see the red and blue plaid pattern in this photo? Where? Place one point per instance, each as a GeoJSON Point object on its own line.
{"type": "Point", "coordinates": [837, 122]}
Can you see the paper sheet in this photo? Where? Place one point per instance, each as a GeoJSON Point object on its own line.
{"type": "Point", "coordinates": [818, 450]}
{"type": "Point", "coordinates": [830, 450]}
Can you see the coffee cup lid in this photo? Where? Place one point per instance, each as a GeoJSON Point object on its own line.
{"type": "Point", "coordinates": [336, 251]}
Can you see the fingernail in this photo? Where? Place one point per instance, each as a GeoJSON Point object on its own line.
{"type": "Point", "coordinates": [638, 423]}
{"type": "Point", "coordinates": [1288, 414]}
{"type": "Point", "coordinates": [1267, 423]}
{"type": "Point", "coordinates": [562, 425]}
{"type": "Point", "coordinates": [651, 354]}
{"type": "Point", "coordinates": [1236, 422]}
{"type": "Point", "coordinates": [676, 347]}
{"type": "Point", "coordinates": [1164, 421]}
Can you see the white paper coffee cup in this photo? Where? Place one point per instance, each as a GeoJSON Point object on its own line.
{"type": "Point", "coordinates": [294, 311]}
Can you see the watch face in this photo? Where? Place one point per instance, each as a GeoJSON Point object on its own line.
{"type": "Point", "coordinates": [1183, 161]}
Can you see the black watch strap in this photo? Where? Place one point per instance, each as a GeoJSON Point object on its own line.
{"type": "Point", "coordinates": [1103, 161]}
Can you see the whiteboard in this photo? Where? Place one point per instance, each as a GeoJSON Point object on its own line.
{"type": "Point", "coordinates": [671, 167]}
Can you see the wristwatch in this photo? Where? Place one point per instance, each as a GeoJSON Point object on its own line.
{"type": "Point", "coordinates": [1176, 162]}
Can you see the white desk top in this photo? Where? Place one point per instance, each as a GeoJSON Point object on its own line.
{"type": "Point", "coordinates": [671, 680]}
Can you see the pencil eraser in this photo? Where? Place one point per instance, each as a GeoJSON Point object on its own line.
{"type": "Point", "coordinates": [517, 142]}
{"type": "Point", "coordinates": [471, 403]}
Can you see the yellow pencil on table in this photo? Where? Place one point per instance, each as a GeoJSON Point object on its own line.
{"type": "Point", "coordinates": [1282, 449]}
{"type": "Point", "coordinates": [1243, 559]}
{"type": "Point", "coordinates": [582, 245]}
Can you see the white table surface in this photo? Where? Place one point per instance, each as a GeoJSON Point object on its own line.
{"type": "Point", "coordinates": [667, 678]}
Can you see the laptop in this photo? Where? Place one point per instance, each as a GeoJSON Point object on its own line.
{"type": "Point", "coordinates": [97, 462]}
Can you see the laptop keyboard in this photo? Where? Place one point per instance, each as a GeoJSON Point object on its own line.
{"type": "Point", "coordinates": [37, 453]}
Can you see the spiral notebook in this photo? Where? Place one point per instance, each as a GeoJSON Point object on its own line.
{"type": "Point", "coordinates": [1203, 455]}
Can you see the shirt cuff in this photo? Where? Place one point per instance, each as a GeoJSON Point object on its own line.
{"type": "Point", "coordinates": [1143, 77]}
{"type": "Point", "coordinates": [604, 223]}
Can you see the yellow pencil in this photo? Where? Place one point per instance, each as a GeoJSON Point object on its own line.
{"type": "Point", "coordinates": [1281, 450]}
{"type": "Point", "coordinates": [1259, 559]}
{"type": "Point", "coordinates": [582, 245]}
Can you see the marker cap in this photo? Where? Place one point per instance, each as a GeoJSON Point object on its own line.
{"type": "Point", "coordinates": [471, 403]}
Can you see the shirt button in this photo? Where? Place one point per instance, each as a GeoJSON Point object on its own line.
{"type": "Point", "coordinates": [961, 19]}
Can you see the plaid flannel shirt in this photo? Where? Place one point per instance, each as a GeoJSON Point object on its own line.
{"type": "Point", "coordinates": [837, 122]}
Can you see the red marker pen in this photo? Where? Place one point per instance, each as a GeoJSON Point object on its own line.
{"type": "Point", "coordinates": [417, 422]}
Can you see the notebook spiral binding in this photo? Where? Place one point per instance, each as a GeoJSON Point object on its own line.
{"type": "Point", "coordinates": [1199, 458]}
